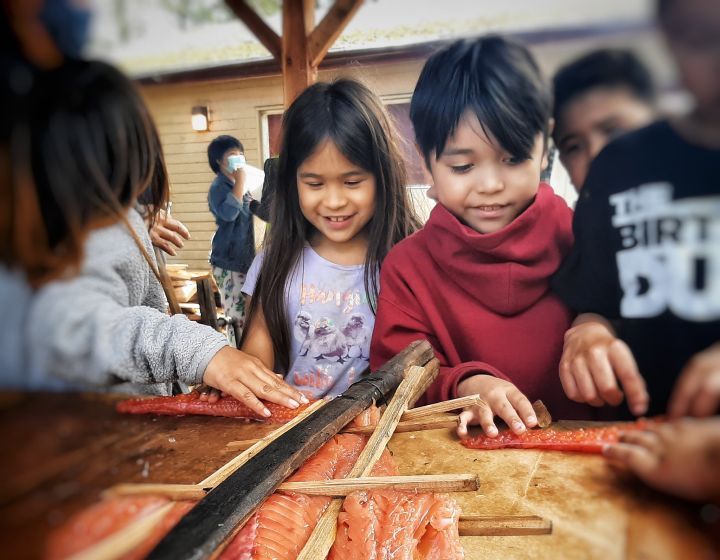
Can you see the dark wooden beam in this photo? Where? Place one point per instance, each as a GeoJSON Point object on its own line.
{"type": "Point", "coordinates": [330, 28]}
{"type": "Point", "coordinates": [264, 33]}
{"type": "Point", "coordinates": [298, 73]}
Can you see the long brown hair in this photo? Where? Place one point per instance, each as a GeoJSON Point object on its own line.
{"type": "Point", "coordinates": [82, 148]}
{"type": "Point", "coordinates": [353, 118]}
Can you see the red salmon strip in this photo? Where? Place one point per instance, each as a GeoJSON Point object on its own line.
{"type": "Point", "coordinates": [190, 403]}
{"type": "Point", "coordinates": [582, 440]}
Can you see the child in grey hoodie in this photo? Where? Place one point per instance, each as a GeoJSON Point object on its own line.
{"type": "Point", "coordinates": [93, 149]}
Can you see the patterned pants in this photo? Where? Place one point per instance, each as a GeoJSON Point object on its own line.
{"type": "Point", "coordinates": [230, 284]}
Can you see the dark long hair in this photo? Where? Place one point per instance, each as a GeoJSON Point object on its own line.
{"type": "Point", "coordinates": [353, 118]}
{"type": "Point", "coordinates": [83, 147]}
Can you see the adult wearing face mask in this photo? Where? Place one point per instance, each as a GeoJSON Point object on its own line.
{"type": "Point", "coordinates": [233, 246]}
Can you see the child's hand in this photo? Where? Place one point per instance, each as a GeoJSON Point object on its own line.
{"type": "Point", "coordinates": [168, 234]}
{"type": "Point", "coordinates": [208, 394]}
{"type": "Point", "coordinates": [592, 362]}
{"type": "Point", "coordinates": [681, 457]}
{"type": "Point", "coordinates": [246, 378]}
{"type": "Point", "coordinates": [697, 391]}
{"type": "Point", "coordinates": [501, 398]}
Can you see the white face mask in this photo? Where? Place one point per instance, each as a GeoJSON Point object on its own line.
{"type": "Point", "coordinates": [235, 162]}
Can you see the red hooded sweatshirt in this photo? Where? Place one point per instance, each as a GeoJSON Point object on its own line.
{"type": "Point", "coordinates": [483, 301]}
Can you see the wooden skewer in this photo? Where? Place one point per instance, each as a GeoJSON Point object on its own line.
{"type": "Point", "coordinates": [503, 525]}
{"type": "Point", "coordinates": [426, 423]}
{"type": "Point", "coordinates": [126, 539]}
{"type": "Point", "coordinates": [417, 379]}
{"type": "Point", "coordinates": [438, 408]}
{"type": "Point", "coordinates": [339, 487]}
{"type": "Point", "coordinates": [231, 466]}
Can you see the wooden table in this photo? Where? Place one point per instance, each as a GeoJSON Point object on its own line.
{"type": "Point", "coordinates": [61, 451]}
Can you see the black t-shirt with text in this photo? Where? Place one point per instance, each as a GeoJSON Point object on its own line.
{"type": "Point", "coordinates": [647, 251]}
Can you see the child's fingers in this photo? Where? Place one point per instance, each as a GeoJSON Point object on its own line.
{"type": "Point", "coordinates": [465, 417]}
{"type": "Point", "coordinates": [639, 459]}
{"type": "Point", "coordinates": [686, 388]}
{"type": "Point", "coordinates": [270, 388]}
{"type": "Point", "coordinates": [246, 396]}
{"type": "Point", "coordinates": [505, 410]}
{"type": "Point", "coordinates": [523, 407]}
{"type": "Point", "coordinates": [647, 439]}
{"type": "Point", "coordinates": [633, 384]}
{"type": "Point", "coordinates": [585, 383]}
{"type": "Point", "coordinates": [482, 415]}
{"type": "Point", "coordinates": [604, 377]}
{"type": "Point", "coordinates": [275, 387]}
{"type": "Point", "coordinates": [567, 380]}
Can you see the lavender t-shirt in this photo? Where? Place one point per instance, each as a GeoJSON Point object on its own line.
{"type": "Point", "coordinates": [330, 323]}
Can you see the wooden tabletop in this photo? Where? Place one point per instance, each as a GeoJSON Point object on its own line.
{"type": "Point", "coordinates": [62, 450]}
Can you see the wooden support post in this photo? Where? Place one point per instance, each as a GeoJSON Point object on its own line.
{"type": "Point", "coordinates": [298, 72]}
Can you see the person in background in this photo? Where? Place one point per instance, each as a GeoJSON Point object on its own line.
{"type": "Point", "coordinates": [645, 273]}
{"type": "Point", "coordinates": [340, 205]}
{"type": "Point", "coordinates": [233, 245]}
{"type": "Point", "coordinates": [475, 280]}
{"type": "Point", "coordinates": [598, 97]}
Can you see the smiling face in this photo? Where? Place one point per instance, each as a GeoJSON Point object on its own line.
{"type": "Point", "coordinates": [592, 120]}
{"type": "Point", "coordinates": [479, 182]}
{"type": "Point", "coordinates": [336, 196]}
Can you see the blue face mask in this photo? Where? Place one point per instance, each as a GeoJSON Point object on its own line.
{"type": "Point", "coordinates": [235, 162]}
{"type": "Point", "coordinates": [68, 25]}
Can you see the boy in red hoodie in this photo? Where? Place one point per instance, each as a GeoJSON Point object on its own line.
{"type": "Point", "coordinates": [474, 281]}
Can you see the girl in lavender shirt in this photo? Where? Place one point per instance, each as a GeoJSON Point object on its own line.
{"type": "Point", "coordinates": [340, 206]}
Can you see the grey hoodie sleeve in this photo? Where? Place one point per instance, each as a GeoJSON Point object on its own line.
{"type": "Point", "coordinates": [106, 325]}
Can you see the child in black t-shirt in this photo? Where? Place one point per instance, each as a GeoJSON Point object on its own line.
{"type": "Point", "coordinates": [645, 272]}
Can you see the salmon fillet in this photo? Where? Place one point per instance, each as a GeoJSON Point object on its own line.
{"type": "Point", "coordinates": [97, 522]}
{"type": "Point", "coordinates": [393, 525]}
{"type": "Point", "coordinates": [190, 403]}
{"type": "Point", "coordinates": [581, 440]}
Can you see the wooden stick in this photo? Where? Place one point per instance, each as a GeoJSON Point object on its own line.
{"type": "Point", "coordinates": [503, 525]}
{"type": "Point", "coordinates": [421, 424]}
{"type": "Point", "coordinates": [416, 381]}
{"type": "Point", "coordinates": [231, 466]}
{"type": "Point", "coordinates": [438, 408]}
{"type": "Point", "coordinates": [176, 492]}
{"type": "Point", "coordinates": [340, 487]}
{"type": "Point", "coordinates": [418, 483]}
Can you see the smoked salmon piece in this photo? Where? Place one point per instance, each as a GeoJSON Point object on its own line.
{"type": "Point", "coordinates": [190, 403]}
{"type": "Point", "coordinates": [582, 440]}
{"type": "Point", "coordinates": [375, 524]}
{"type": "Point", "coordinates": [392, 525]}
{"type": "Point", "coordinates": [284, 523]}
{"type": "Point", "coordinates": [93, 524]}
